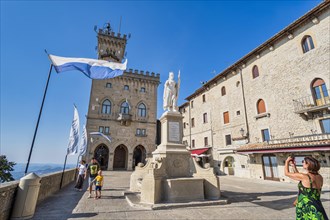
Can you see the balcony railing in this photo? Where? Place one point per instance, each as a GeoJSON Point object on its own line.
{"type": "Point", "coordinates": [301, 139]}
{"type": "Point", "coordinates": [309, 104]}
{"type": "Point", "coordinates": [124, 117]}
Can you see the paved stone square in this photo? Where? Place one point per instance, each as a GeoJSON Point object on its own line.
{"type": "Point", "coordinates": [247, 199]}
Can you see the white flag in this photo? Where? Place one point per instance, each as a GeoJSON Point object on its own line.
{"type": "Point", "coordinates": [94, 69]}
{"type": "Point", "coordinates": [74, 134]}
{"type": "Point", "coordinates": [101, 134]}
{"type": "Point", "coordinates": [83, 144]}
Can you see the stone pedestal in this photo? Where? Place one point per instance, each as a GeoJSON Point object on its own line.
{"type": "Point", "coordinates": [171, 147]}
{"type": "Point", "coordinates": [171, 174]}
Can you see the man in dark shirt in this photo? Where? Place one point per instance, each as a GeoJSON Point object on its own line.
{"type": "Point", "coordinates": [92, 169]}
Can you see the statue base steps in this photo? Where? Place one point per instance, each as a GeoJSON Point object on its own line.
{"type": "Point", "coordinates": [134, 200]}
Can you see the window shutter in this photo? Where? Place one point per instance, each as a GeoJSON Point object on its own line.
{"type": "Point", "coordinates": [261, 106]}
{"type": "Point", "coordinates": [226, 117]}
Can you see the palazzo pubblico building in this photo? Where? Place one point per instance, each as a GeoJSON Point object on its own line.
{"type": "Point", "coordinates": [123, 108]}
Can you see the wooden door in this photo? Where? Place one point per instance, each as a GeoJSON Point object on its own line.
{"type": "Point", "coordinates": [101, 154]}
{"type": "Point", "coordinates": [120, 158]}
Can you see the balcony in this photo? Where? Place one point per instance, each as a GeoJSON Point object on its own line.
{"type": "Point", "coordinates": [304, 143]}
{"type": "Point", "coordinates": [124, 119]}
{"type": "Point", "coordinates": [302, 140]}
{"type": "Point", "coordinates": [309, 108]}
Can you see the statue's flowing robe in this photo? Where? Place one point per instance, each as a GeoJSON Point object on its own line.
{"type": "Point", "coordinates": [169, 94]}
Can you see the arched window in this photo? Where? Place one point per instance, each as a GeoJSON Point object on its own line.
{"type": "Point", "coordinates": [126, 87]}
{"type": "Point", "coordinates": [255, 72]}
{"type": "Point", "coordinates": [320, 92]}
{"type": "Point", "coordinates": [142, 110]}
{"type": "Point", "coordinates": [124, 108]}
{"type": "Point", "coordinates": [307, 44]}
{"type": "Point", "coordinates": [261, 108]}
{"type": "Point", "coordinates": [106, 107]}
{"type": "Point", "coordinates": [223, 91]}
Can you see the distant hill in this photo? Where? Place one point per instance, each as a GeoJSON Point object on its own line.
{"type": "Point", "coordinates": [38, 168]}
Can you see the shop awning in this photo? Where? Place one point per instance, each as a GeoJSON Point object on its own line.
{"type": "Point", "coordinates": [198, 151]}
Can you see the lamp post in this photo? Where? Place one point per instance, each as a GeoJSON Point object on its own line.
{"type": "Point", "coordinates": [241, 131]}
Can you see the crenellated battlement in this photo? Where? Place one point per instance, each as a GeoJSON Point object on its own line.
{"type": "Point", "coordinates": [142, 73]}
{"type": "Point", "coordinates": [105, 32]}
{"type": "Point", "coordinates": [111, 46]}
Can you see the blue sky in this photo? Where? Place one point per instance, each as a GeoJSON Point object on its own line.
{"type": "Point", "coordinates": [201, 38]}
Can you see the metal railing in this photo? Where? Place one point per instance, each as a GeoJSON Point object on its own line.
{"type": "Point", "coordinates": [124, 117]}
{"type": "Point", "coordinates": [309, 103]}
{"type": "Point", "coordinates": [301, 139]}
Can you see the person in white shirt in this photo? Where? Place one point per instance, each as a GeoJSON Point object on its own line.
{"type": "Point", "coordinates": [81, 175]}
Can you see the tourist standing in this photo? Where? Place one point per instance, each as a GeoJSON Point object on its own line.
{"type": "Point", "coordinates": [92, 169]}
{"type": "Point", "coordinates": [81, 175]}
{"type": "Point", "coordinates": [98, 184]}
{"type": "Point", "coordinates": [309, 205]}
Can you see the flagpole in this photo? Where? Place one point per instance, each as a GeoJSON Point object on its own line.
{"type": "Point", "coordinates": [36, 130]}
{"type": "Point", "coordinates": [66, 156]}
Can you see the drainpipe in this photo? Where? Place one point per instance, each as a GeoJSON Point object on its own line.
{"type": "Point", "coordinates": [214, 151]}
{"type": "Point", "coordinates": [244, 103]}
{"type": "Point", "coordinates": [211, 128]}
{"type": "Point", "coordinates": [189, 125]}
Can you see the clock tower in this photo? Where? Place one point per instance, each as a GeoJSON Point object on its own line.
{"type": "Point", "coordinates": [110, 47]}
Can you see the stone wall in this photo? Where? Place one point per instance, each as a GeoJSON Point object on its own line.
{"type": "Point", "coordinates": [287, 72]}
{"type": "Point", "coordinates": [50, 183]}
{"type": "Point", "coordinates": [7, 195]}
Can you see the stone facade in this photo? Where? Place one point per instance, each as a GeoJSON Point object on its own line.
{"type": "Point", "coordinates": [123, 108]}
{"type": "Point", "coordinates": [286, 85]}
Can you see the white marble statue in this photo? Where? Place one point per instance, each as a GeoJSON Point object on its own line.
{"type": "Point", "coordinates": [171, 93]}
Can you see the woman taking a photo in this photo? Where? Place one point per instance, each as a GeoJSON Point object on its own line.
{"type": "Point", "coordinates": [309, 205]}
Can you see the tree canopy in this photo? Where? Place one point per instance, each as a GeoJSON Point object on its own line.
{"type": "Point", "coordinates": [5, 168]}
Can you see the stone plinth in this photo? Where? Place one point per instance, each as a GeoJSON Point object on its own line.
{"type": "Point", "coordinates": [171, 147]}
{"type": "Point", "coordinates": [183, 189]}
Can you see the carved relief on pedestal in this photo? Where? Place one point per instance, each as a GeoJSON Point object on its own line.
{"type": "Point", "coordinates": [177, 165]}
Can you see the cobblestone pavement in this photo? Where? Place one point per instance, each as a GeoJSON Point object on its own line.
{"type": "Point", "coordinates": [248, 199]}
